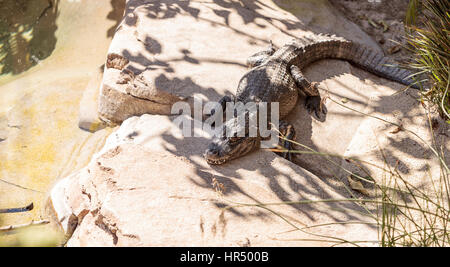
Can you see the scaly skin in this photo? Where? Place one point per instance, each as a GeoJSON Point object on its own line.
{"type": "Point", "coordinates": [276, 77]}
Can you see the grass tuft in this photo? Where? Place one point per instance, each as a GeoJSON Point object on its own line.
{"type": "Point", "coordinates": [430, 45]}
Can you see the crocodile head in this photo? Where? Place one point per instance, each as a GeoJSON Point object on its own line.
{"type": "Point", "coordinates": [226, 147]}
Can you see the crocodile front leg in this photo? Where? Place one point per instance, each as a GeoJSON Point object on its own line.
{"type": "Point", "coordinates": [260, 57]}
{"type": "Point", "coordinates": [222, 105]}
{"type": "Point", "coordinates": [287, 133]}
{"type": "Point", "coordinates": [313, 100]}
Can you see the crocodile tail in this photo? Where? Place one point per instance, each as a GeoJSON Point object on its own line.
{"type": "Point", "coordinates": [374, 62]}
{"type": "Point", "coordinates": [326, 46]}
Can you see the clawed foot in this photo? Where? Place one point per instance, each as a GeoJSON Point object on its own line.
{"type": "Point", "coordinates": [287, 154]}
{"type": "Point", "coordinates": [313, 104]}
{"type": "Point", "coordinates": [287, 133]}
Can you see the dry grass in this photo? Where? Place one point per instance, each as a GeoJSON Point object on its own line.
{"type": "Point", "coordinates": [430, 45]}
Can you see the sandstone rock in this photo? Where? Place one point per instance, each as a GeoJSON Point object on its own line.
{"type": "Point", "coordinates": [149, 186]}
{"type": "Point", "coordinates": [176, 51]}
{"type": "Point", "coordinates": [167, 51]}
{"type": "Point", "coordinates": [404, 149]}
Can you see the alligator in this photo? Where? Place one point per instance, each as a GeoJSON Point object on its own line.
{"type": "Point", "coordinates": [275, 76]}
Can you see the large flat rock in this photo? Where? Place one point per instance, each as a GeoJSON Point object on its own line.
{"type": "Point", "coordinates": [167, 51]}
{"type": "Point", "coordinates": [149, 186]}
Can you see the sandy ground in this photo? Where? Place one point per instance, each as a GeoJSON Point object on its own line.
{"type": "Point", "coordinates": [382, 20]}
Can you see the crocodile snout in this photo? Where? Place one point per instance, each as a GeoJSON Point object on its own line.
{"type": "Point", "coordinates": [213, 154]}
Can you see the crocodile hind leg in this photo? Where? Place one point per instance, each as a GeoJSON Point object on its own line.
{"type": "Point", "coordinates": [260, 57]}
{"type": "Point", "coordinates": [313, 100]}
{"type": "Point", "coordinates": [287, 133]}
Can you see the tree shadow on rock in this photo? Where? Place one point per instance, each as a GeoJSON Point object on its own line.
{"type": "Point", "coordinates": [283, 185]}
{"type": "Point", "coordinates": [250, 12]}
{"type": "Point", "coordinates": [402, 151]}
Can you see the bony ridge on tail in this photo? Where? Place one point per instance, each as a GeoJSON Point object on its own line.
{"type": "Point", "coordinates": [275, 76]}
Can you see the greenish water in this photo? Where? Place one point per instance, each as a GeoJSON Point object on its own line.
{"type": "Point", "coordinates": [49, 51]}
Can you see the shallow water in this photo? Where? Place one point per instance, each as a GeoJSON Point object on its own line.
{"type": "Point", "coordinates": [49, 50]}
